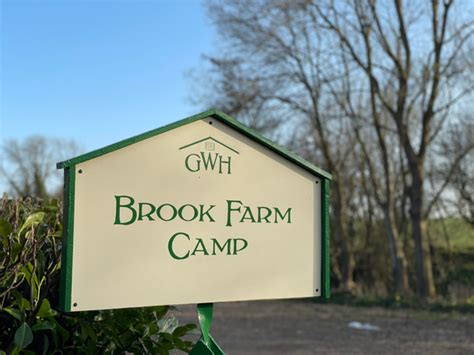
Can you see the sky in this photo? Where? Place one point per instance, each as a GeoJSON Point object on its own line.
{"type": "Point", "coordinates": [98, 71]}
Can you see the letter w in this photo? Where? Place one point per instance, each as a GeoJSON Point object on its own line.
{"type": "Point", "coordinates": [208, 161]}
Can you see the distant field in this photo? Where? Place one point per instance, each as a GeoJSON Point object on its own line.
{"type": "Point", "coordinates": [456, 231]}
{"type": "Point", "coordinates": [453, 242]}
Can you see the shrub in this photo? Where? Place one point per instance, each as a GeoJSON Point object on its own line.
{"type": "Point", "coordinates": [30, 237]}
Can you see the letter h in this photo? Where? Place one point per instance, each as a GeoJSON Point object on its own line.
{"type": "Point", "coordinates": [221, 162]}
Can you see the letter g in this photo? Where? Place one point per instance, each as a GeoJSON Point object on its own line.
{"type": "Point", "coordinates": [195, 162]}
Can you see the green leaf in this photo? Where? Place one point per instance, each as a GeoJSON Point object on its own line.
{"type": "Point", "coordinates": [183, 330]}
{"type": "Point", "coordinates": [83, 333]}
{"type": "Point", "coordinates": [179, 344]}
{"type": "Point", "coordinates": [32, 220]}
{"type": "Point", "coordinates": [27, 270]}
{"type": "Point", "coordinates": [21, 302]}
{"type": "Point", "coordinates": [16, 313]}
{"type": "Point", "coordinates": [167, 337]}
{"type": "Point", "coordinates": [5, 227]}
{"type": "Point", "coordinates": [16, 250]}
{"type": "Point", "coordinates": [23, 336]}
{"type": "Point", "coordinates": [153, 328]}
{"type": "Point", "coordinates": [40, 262]}
{"type": "Point", "coordinates": [45, 310]}
{"type": "Point", "coordinates": [5, 245]}
{"type": "Point", "coordinates": [45, 325]}
{"type": "Point", "coordinates": [62, 332]}
{"type": "Point", "coordinates": [50, 208]}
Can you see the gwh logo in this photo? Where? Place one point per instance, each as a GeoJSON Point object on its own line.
{"type": "Point", "coordinates": [209, 160]}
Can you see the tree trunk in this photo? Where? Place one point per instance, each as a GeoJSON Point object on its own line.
{"type": "Point", "coordinates": [397, 255]}
{"type": "Point", "coordinates": [424, 270]}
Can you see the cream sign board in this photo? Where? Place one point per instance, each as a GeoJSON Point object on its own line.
{"type": "Point", "coordinates": [203, 210]}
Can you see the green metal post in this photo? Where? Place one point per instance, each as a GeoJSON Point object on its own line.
{"type": "Point", "coordinates": [206, 345]}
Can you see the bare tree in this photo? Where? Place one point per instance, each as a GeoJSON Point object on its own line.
{"type": "Point", "coordinates": [276, 47]}
{"type": "Point", "coordinates": [28, 168]}
{"type": "Point", "coordinates": [236, 94]}
{"type": "Point", "coordinates": [411, 81]}
{"type": "Point", "coordinates": [379, 150]}
{"type": "Point", "coordinates": [456, 172]}
{"type": "Point", "coordinates": [376, 80]}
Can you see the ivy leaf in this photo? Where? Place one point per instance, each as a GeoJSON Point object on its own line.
{"type": "Point", "coordinates": [23, 336]}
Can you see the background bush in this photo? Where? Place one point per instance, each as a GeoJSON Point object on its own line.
{"type": "Point", "coordinates": [30, 237]}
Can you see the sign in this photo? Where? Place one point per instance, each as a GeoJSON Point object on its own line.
{"type": "Point", "coordinates": [202, 210]}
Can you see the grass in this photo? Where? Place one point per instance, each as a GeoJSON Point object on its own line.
{"type": "Point", "coordinates": [452, 240]}
{"type": "Point", "coordinates": [452, 233]}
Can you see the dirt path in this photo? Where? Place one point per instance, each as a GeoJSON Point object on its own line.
{"type": "Point", "coordinates": [303, 327]}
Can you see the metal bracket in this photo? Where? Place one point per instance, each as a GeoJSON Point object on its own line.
{"type": "Point", "coordinates": [206, 345]}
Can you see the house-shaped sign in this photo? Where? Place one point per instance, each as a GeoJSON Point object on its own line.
{"type": "Point", "coordinates": [202, 210]}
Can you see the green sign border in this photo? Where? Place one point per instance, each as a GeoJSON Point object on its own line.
{"type": "Point", "coordinates": [67, 240]}
{"type": "Point", "coordinates": [325, 252]}
{"type": "Point", "coordinates": [220, 116]}
{"type": "Point", "coordinates": [69, 167]}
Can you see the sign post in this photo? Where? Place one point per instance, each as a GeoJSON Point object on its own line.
{"type": "Point", "coordinates": [200, 211]}
{"type": "Point", "coordinates": [206, 344]}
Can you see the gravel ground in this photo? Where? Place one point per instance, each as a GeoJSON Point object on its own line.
{"type": "Point", "coordinates": [303, 327]}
